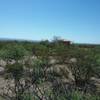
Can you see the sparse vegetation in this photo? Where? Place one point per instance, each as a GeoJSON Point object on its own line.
{"type": "Point", "coordinates": [50, 71]}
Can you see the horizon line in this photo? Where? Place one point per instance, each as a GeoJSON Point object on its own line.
{"type": "Point", "coordinates": [31, 40]}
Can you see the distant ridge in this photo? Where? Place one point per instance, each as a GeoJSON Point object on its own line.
{"type": "Point", "coordinates": [26, 40]}
{"type": "Point", "coordinates": [19, 40]}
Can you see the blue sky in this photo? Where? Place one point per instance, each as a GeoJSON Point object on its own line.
{"type": "Point", "coordinates": [76, 20]}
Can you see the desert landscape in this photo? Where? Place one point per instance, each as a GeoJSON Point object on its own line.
{"type": "Point", "coordinates": [49, 49]}
{"type": "Point", "coordinates": [49, 70]}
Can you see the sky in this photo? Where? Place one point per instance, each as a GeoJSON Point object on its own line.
{"type": "Point", "coordinates": [75, 20]}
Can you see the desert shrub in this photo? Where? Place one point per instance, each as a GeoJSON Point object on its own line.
{"type": "Point", "coordinates": [85, 67]}
{"type": "Point", "coordinates": [13, 52]}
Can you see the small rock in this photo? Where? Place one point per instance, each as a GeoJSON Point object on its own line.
{"type": "Point", "coordinates": [2, 63]}
{"type": "Point", "coordinates": [73, 60]}
{"type": "Point", "coordinates": [2, 70]}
